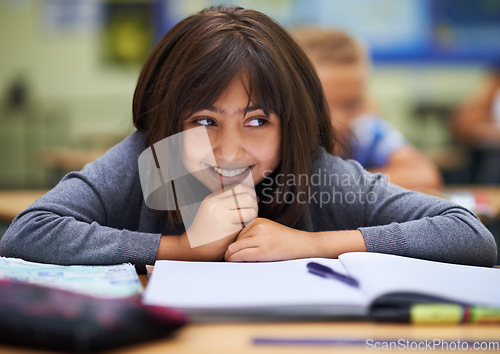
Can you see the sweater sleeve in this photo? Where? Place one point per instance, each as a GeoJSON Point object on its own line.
{"type": "Point", "coordinates": [407, 223]}
{"type": "Point", "coordinates": [417, 225]}
{"type": "Point", "coordinates": [88, 217]}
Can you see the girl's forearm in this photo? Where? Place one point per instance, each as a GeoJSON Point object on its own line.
{"type": "Point", "coordinates": [171, 247]}
{"type": "Point", "coordinates": [178, 248]}
{"type": "Point", "coordinates": [331, 244]}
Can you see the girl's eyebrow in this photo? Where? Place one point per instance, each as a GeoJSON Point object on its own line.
{"type": "Point", "coordinates": [241, 110]}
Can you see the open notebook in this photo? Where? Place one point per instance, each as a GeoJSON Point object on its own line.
{"type": "Point", "coordinates": [213, 290]}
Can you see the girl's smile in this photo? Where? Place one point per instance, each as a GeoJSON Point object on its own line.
{"type": "Point", "coordinates": [243, 140]}
{"type": "Point", "coordinates": [230, 171]}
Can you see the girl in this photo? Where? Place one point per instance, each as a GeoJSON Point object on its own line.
{"type": "Point", "coordinates": [241, 76]}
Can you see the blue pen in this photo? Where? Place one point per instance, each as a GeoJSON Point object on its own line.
{"type": "Point", "coordinates": [327, 272]}
{"type": "Point", "coordinates": [309, 341]}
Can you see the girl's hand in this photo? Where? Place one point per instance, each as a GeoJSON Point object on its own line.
{"type": "Point", "coordinates": [266, 240]}
{"type": "Point", "coordinates": [218, 221]}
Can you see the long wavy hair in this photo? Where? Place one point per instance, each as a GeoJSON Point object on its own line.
{"type": "Point", "coordinates": [196, 60]}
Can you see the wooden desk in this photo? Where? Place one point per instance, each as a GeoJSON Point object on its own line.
{"type": "Point", "coordinates": [237, 337]}
{"type": "Point", "coordinates": [12, 202]}
{"type": "Point", "coordinates": [490, 192]}
{"type": "Point", "coordinates": [69, 159]}
{"type": "Point", "coordinates": [61, 161]}
{"type": "Point", "coordinates": [220, 338]}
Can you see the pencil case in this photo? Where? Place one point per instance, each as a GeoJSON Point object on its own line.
{"type": "Point", "coordinates": [53, 319]}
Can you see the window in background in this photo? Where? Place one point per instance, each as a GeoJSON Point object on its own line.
{"type": "Point", "coordinates": [429, 31]}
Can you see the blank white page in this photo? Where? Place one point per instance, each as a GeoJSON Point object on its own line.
{"type": "Point", "coordinates": [225, 285]}
{"type": "Point", "coordinates": [384, 273]}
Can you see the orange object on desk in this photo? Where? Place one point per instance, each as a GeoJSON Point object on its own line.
{"type": "Point", "coordinates": [12, 202]}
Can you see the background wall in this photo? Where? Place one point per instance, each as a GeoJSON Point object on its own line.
{"type": "Point", "coordinates": [56, 54]}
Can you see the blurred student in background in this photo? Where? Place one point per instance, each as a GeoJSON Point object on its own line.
{"type": "Point", "coordinates": [343, 68]}
{"type": "Point", "coordinates": [476, 124]}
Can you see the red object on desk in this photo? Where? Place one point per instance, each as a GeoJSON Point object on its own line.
{"type": "Point", "coordinates": [483, 206]}
{"type": "Point", "coordinates": [54, 319]}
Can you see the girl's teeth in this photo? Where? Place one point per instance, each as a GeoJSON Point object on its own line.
{"type": "Point", "coordinates": [231, 173]}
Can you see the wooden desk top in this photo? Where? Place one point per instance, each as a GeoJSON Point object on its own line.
{"type": "Point", "coordinates": [69, 159]}
{"type": "Point", "coordinates": [12, 202]}
{"type": "Point", "coordinates": [238, 338]}
{"type": "Point", "coordinates": [219, 338]}
{"type": "Point", "coordinates": [490, 193]}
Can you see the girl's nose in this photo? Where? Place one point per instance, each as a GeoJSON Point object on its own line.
{"type": "Point", "coordinates": [229, 146]}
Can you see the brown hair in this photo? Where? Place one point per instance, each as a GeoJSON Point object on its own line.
{"type": "Point", "coordinates": [197, 59]}
{"type": "Point", "coordinates": [330, 46]}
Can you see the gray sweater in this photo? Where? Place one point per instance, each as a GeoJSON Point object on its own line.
{"type": "Point", "coordinates": [98, 216]}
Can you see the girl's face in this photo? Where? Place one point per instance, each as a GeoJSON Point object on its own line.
{"type": "Point", "coordinates": [242, 140]}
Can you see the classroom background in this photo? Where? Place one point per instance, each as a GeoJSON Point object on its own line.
{"type": "Point", "coordinates": [68, 70]}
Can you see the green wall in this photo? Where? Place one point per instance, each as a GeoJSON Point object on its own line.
{"type": "Point", "coordinates": [75, 98]}
{"type": "Point", "coordinates": [78, 100]}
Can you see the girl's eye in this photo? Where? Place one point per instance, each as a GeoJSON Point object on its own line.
{"type": "Point", "coordinates": [256, 122]}
{"type": "Point", "coordinates": [205, 121]}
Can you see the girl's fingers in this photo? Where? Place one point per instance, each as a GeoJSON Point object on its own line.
{"type": "Point", "coordinates": [245, 200]}
{"type": "Point", "coordinates": [234, 202]}
{"type": "Point", "coordinates": [237, 189]}
{"type": "Point", "coordinates": [239, 201]}
{"type": "Point", "coordinates": [240, 244]}
{"type": "Point", "coordinates": [247, 230]}
{"type": "Point", "coordinates": [242, 215]}
{"type": "Point", "coordinates": [247, 215]}
{"type": "Point", "coordinates": [231, 190]}
{"type": "Point", "coordinates": [243, 188]}
{"type": "Point", "coordinates": [243, 255]}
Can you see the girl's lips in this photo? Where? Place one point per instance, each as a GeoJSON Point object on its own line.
{"type": "Point", "coordinates": [230, 175]}
{"type": "Point", "coordinates": [229, 172]}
